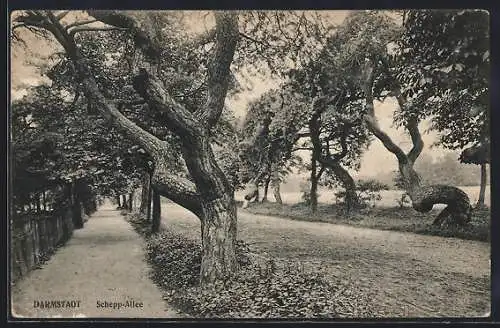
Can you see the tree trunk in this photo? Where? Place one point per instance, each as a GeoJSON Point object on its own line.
{"type": "Point", "coordinates": [482, 191]}
{"type": "Point", "coordinates": [266, 188]}
{"type": "Point", "coordinates": [76, 207]}
{"type": "Point", "coordinates": [150, 199]}
{"type": "Point", "coordinates": [124, 202]}
{"type": "Point", "coordinates": [257, 195]}
{"type": "Point", "coordinates": [351, 197]}
{"type": "Point", "coordinates": [313, 194]}
{"type": "Point", "coordinates": [156, 219]}
{"type": "Point", "coordinates": [38, 204]}
{"type": "Point", "coordinates": [208, 193]}
{"type": "Point", "coordinates": [131, 201]}
{"type": "Point", "coordinates": [276, 192]}
{"type": "Point", "coordinates": [117, 199]}
{"type": "Point", "coordinates": [218, 230]}
{"type": "Point", "coordinates": [44, 201]}
{"type": "Point", "coordinates": [144, 194]}
{"type": "Point", "coordinates": [458, 210]}
{"type": "Point", "coordinates": [275, 179]}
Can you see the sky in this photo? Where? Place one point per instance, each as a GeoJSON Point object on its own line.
{"type": "Point", "coordinates": [375, 160]}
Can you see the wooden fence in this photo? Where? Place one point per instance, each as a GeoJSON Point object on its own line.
{"type": "Point", "coordinates": [34, 237]}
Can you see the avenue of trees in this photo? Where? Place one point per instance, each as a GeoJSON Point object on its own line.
{"type": "Point", "coordinates": [137, 100]}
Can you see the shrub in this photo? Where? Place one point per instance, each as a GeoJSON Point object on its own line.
{"type": "Point", "coordinates": [259, 290]}
{"type": "Point", "coordinates": [368, 192]}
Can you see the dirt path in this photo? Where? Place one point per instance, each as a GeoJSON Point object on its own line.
{"type": "Point", "coordinates": [103, 262]}
{"type": "Point", "coordinates": [405, 274]}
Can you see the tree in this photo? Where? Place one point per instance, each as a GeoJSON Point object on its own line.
{"type": "Point", "coordinates": [269, 132]}
{"type": "Point", "coordinates": [367, 36]}
{"type": "Point", "coordinates": [447, 53]}
{"type": "Point", "coordinates": [335, 123]}
{"type": "Point", "coordinates": [207, 193]}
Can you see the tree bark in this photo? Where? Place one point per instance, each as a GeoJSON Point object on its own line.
{"type": "Point", "coordinates": [218, 231]}
{"type": "Point", "coordinates": [44, 201]}
{"type": "Point", "coordinates": [118, 201]}
{"type": "Point", "coordinates": [208, 193]}
{"type": "Point", "coordinates": [124, 202]}
{"type": "Point", "coordinates": [76, 207]}
{"type": "Point", "coordinates": [144, 194]}
{"type": "Point", "coordinates": [313, 193]}
{"type": "Point", "coordinates": [156, 219]}
{"type": "Point", "coordinates": [131, 201]}
{"type": "Point", "coordinates": [266, 188]}
{"type": "Point", "coordinates": [257, 195]}
{"type": "Point", "coordinates": [37, 201]}
{"type": "Point", "coordinates": [277, 193]}
{"type": "Point", "coordinates": [458, 210]}
{"type": "Point", "coordinates": [351, 197]}
{"type": "Point", "coordinates": [276, 182]}
{"type": "Point", "coordinates": [150, 198]}
{"type": "Point", "coordinates": [482, 190]}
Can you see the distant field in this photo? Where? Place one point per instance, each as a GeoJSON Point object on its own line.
{"type": "Point", "coordinates": [389, 197]}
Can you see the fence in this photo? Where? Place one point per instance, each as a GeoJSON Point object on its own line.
{"type": "Point", "coordinates": [34, 237]}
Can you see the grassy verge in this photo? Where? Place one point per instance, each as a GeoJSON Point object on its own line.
{"type": "Point", "coordinates": [383, 218]}
{"type": "Point", "coordinates": [262, 288]}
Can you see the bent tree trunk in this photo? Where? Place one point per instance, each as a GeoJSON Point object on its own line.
{"type": "Point", "coordinates": [207, 193]}
{"type": "Point", "coordinates": [351, 197]}
{"type": "Point", "coordinates": [458, 210]}
{"type": "Point", "coordinates": [482, 191]}
{"type": "Point", "coordinates": [156, 219]}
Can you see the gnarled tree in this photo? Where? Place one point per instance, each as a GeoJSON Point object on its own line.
{"type": "Point", "coordinates": [207, 193]}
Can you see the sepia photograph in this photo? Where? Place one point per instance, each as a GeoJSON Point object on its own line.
{"type": "Point", "coordinates": [249, 164]}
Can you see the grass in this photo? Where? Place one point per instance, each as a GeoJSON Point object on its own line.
{"type": "Point", "coordinates": [384, 218]}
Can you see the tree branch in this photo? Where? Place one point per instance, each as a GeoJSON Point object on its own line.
{"type": "Point", "coordinates": [219, 69]}
{"type": "Point", "coordinates": [143, 39]}
{"type": "Point", "coordinates": [343, 144]}
{"type": "Point", "coordinates": [370, 118]}
{"type": "Point", "coordinates": [412, 127]}
{"type": "Point", "coordinates": [178, 189]}
{"type": "Point", "coordinates": [178, 119]}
